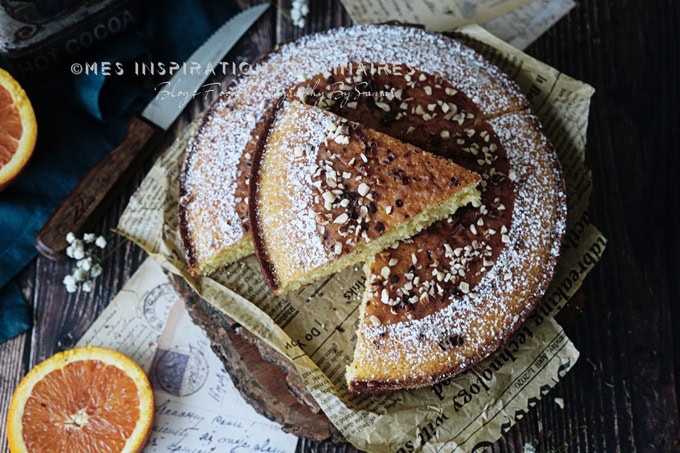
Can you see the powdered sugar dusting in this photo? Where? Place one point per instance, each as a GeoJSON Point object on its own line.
{"type": "Point", "coordinates": [209, 182]}
{"type": "Point", "coordinates": [291, 220]}
{"type": "Point", "coordinates": [480, 314]}
{"type": "Point", "coordinates": [324, 185]}
{"type": "Point", "coordinates": [212, 170]}
{"type": "Point", "coordinates": [460, 334]}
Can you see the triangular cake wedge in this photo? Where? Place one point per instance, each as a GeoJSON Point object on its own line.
{"type": "Point", "coordinates": [443, 301]}
{"type": "Point", "coordinates": [327, 193]}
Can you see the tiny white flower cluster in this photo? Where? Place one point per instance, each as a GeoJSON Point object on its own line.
{"type": "Point", "coordinates": [298, 11]}
{"type": "Point", "coordinates": [88, 263]}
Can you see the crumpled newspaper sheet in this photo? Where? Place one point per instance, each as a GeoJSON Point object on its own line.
{"type": "Point", "coordinates": [517, 22]}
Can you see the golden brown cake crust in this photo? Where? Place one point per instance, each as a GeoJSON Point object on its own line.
{"type": "Point", "coordinates": [187, 242]}
{"type": "Point", "coordinates": [260, 252]}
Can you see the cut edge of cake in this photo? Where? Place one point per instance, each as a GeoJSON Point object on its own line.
{"type": "Point", "coordinates": [365, 252]}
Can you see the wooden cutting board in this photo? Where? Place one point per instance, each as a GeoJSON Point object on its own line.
{"type": "Point", "coordinates": [260, 374]}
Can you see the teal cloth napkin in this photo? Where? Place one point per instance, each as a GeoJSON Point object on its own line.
{"type": "Point", "coordinates": [80, 118]}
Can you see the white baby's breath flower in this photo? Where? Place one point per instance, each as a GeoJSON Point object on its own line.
{"type": "Point", "coordinates": [70, 284]}
{"type": "Point", "coordinates": [100, 242]}
{"type": "Point", "coordinates": [298, 11]}
{"type": "Point", "coordinates": [76, 245]}
{"type": "Point", "coordinates": [79, 253]}
{"type": "Point", "coordinates": [79, 275]}
{"type": "Point", "coordinates": [85, 264]}
{"type": "Point", "coordinates": [96, 270]}
{"type": "Point", "coordinates": [88, 262]}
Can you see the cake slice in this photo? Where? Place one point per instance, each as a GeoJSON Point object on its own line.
{"type": "Point", "coordinates": [443, 301]}
{"type": "Point", "coordinates": [327, 193]}
{"type": "Point", "coordinates": [213, 202]}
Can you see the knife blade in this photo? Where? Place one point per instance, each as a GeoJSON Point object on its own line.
{"type": "Point", "coordinates": [92, 195]}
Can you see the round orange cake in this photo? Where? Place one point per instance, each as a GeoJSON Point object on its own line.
{"type": "Point", "coordinates": [448, 297]}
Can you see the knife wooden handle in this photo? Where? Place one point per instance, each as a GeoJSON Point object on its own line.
{"type": "Point", "coordinates": [88, 200]}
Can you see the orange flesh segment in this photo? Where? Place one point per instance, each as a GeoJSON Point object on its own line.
{"type": "Point", "coordinates": [10, 127]}
{"type": "Point", "coordinates": [90, 407]}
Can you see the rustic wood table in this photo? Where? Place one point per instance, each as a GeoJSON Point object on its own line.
{"type": "Point", "coordinates": [622, 394]}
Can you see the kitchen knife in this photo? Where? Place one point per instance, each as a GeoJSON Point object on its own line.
{"type": "Point", "coordinates": [91, 196]}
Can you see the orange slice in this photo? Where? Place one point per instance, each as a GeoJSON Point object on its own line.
{"type": "Point", "coordinates": [87, 399]}
{"type": "Point", "coordinates": [18, 129]}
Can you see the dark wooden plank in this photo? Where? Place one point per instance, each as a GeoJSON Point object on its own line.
{"type": "Point", "coordinates": [622, 395]}
{"type": "Point", "coordinates": [12, 353]}
{"type": "Point", "coordinates": [262, 376]}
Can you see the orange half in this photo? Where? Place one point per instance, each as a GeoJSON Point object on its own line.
{"type": "Point", "coordinates": [88, 399]}
{"type": "Point", "coordinates": [18, 129]}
